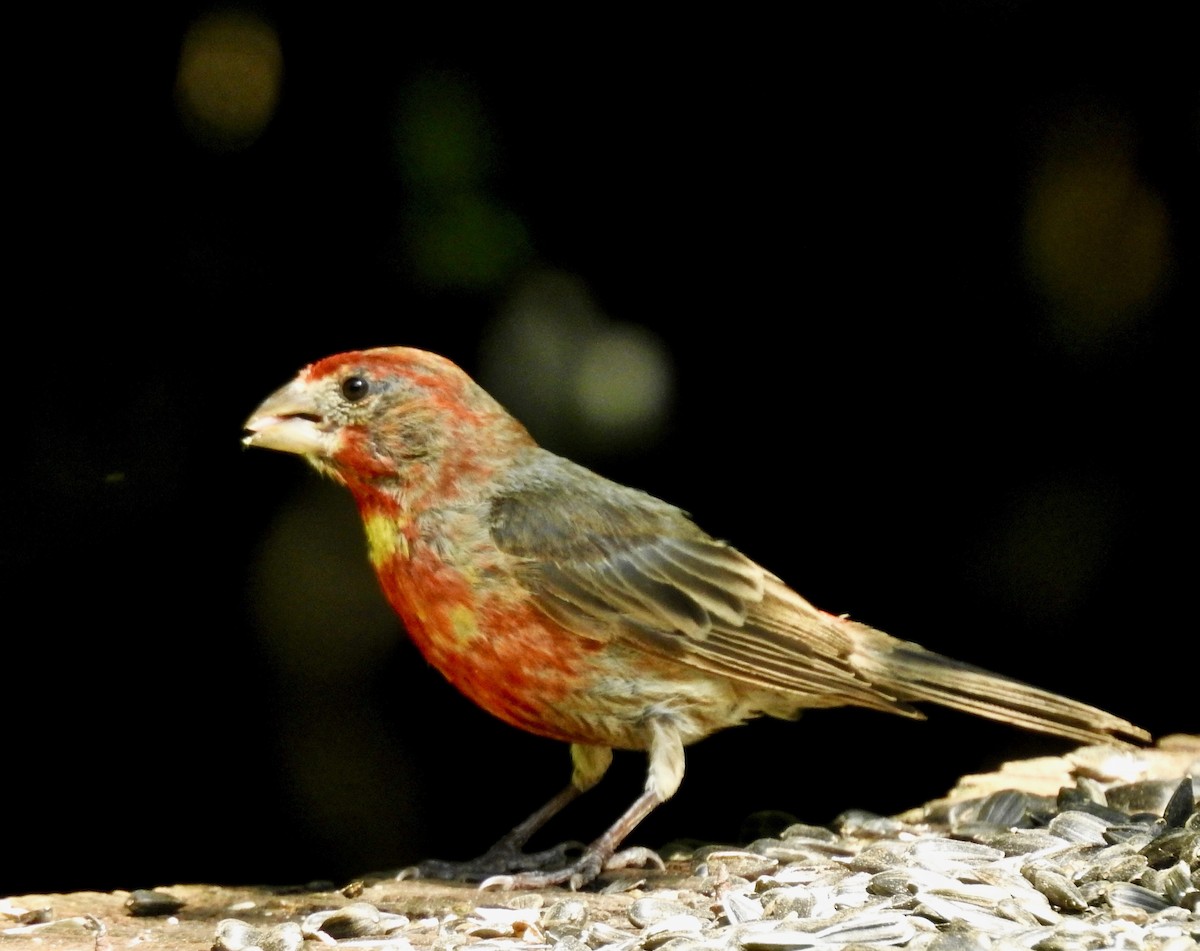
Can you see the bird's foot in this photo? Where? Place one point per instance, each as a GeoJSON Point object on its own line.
{"type": "Point", "coordinates": [579, 873]}
{"type": "Point", "coordinates": [501, 861]}
{"type": "Point", "coordinates": [636, 856]}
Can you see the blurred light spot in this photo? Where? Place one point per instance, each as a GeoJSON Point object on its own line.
{"type": "Point", "coordinates": [456, 234]}
{"type": "Point", "coordinates": [442, 137]}
{"type": "Point", "coordinates": [526, 353]}
{"type": "Point", "coordinates": [623, 384]}
{"type": "Point", "coordinates": [578, 380]}
{"type": "Point", "coordinates": [318, 603]}
{"type": "Point", "coordinates": [1096, 236]}
{"type": "Point", "coordinates": [1049, 553]}
{"type": "Point", "coordinates": [230, 73]}
{"type": "Point", "coordinates": [328, 631]}
{"type": "Point", "coordinates": [468, 242]}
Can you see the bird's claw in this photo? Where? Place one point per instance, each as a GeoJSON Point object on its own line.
{"type": "Point", "coordinates": [497, 865]}
{"type": "Point", "coordinates": [578, 873]}
{"type": "Point", "coordinates": [637, 856]}
{"type": "Point", "coordinates": [499, 883]}
{"type": "Point", "coordinates": [573, 876]}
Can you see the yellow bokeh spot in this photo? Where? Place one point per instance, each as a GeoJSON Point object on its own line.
{"type": "Point", "coordinates": [581, 381]}
{"type": "Point", "coordinates": [1097, 237]}
{"type": "Point", "coordinates": [623, 384]}
{"type": "Point", "coordinates": [229, 78]}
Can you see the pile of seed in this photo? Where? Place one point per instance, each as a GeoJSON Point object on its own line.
{"type": "Point", "coordinates": [1095, 866]}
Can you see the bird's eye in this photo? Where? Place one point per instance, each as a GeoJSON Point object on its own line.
{"type": "Point", "coordinates": [354, 388]}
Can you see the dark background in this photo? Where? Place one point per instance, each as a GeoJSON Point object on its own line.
{"type": "Point", "coordinates": [921, 281]}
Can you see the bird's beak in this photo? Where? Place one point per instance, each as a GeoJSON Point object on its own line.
{"type": "Point", "coordinates": [289, 420]}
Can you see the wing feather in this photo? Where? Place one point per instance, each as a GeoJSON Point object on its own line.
{"type": "Point", "coordinates": [609, 562]}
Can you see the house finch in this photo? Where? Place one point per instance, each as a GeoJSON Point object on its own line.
{"type": "Point", "coordinates": [586, 611]}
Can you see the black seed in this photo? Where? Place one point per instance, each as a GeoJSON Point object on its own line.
{"type": "Point", "coordinates": [1180, 805]}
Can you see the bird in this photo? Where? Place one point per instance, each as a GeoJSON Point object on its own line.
{"type": "Point", "coordinates": [590, 612]}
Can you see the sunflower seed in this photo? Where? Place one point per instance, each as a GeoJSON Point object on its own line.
{"type": "Point", "coordinates": [1081, 827]}
{"type": "Point", "coordinates": [1057, 888]}
{"type": "Point", "coordinates": [1023, 841]}
{"type": "Point", "coordinates": [667, 929]}
{"type": "Point", "coordinates": [1145, 796]}
{"type": "Point", "coordinates": [568, 913]}
{"type": "Point", "coordinates": [358, 920]}
{"type": "Point", "coordinates": [235, 935]}
{"type": "Point", "coordinates": [741, 908]}
{"type": "Point", "coordinates": [731, 863]}
{"type": "Point", "coordinates": [1166, 849]}
{"type": "Point", "coordinates": [148, 902]}
{"type": "Point", "coordinates": [1181, 804]}
{"type": "Point", "coordinates": [1006, 809]}
{"type": "Point", "coordinates": [646, 911]}
{"type": "Point", "coordinates": [1124, 897]}
{"type": "Point", "coordinates": [781, 902]}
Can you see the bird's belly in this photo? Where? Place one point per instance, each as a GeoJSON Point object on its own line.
{"type": "Point", "coordinates": [631, 688]}
{"type": "Point", "coordinates": [498, 649]}
{"type": "Point", "coordinates": [521, 666]}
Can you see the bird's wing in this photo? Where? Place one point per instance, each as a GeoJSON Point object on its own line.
{"type": "Point", "coordinates": [608, 561]}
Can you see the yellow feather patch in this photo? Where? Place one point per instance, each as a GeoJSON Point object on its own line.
{"type": "Point", "coordinates": [385, 538]}
{"type": "Point", "coordinates": [465, 626]}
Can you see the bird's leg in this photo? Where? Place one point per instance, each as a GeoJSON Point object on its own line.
{"type": "Point", "coordinates": [663, 778]}
{"type": "Point", "coordinates": [590, 763]}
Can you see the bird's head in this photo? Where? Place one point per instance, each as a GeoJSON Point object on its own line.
{"type": "Point", "coordinates": [376, 414]}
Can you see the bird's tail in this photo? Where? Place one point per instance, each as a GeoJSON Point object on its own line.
{"type": "Point", "coordinates": [910, 672]}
